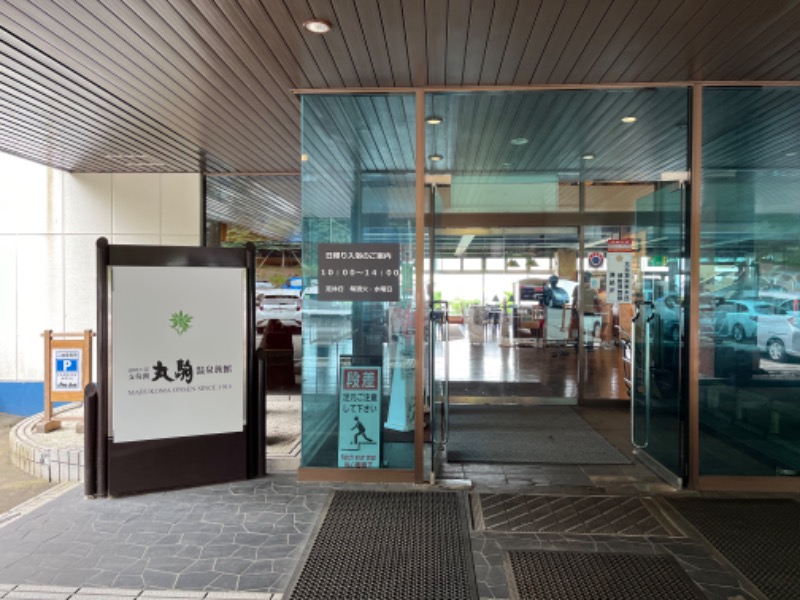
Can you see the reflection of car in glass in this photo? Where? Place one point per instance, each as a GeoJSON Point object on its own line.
{"type": "Point", "coordinates": [314, 308]}
{"type": "Point", "coordinates": [284, 305]}
{"type": "Point", "coordinates": [743, 319]}
{"type": "Point", "coordinates": [668, 311]}
{"type": "Point", "coordinates": [788, 301]}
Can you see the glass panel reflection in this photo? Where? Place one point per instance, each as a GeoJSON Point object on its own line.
{"type": "Point", "coordinates": [750, 283]}
{"type": "Point", "coordinates": [358, 188]}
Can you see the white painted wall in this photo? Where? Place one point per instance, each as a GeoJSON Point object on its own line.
{"type": "Point", "coordinates": [49, 224]}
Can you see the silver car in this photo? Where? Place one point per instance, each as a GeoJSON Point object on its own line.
{"type": "Point", "coordinates": [774, 329]}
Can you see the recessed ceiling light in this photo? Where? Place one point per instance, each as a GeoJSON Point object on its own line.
{"type": "Point", "coordinates": [435, 157]}
{"type": "Point", "coordinates": [317, 25]}
{"type": "Point", "coordinates": [433, 120]}
{"type": "Point", "coordinates": [519, 141]}
{"type": "Point", "coordinates": [629, 119]}
{"type": "Point", "coordinates": [588, 157]}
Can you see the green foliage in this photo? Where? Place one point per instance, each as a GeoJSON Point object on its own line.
{"type": "Point", "coordinates": [459, 306]}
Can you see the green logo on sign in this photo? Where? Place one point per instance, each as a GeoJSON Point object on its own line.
{"type": "Point", "coordinates": [180, 322]}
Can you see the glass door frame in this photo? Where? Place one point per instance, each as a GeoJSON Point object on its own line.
{"type": "Point", "coordinates": [443, 221]}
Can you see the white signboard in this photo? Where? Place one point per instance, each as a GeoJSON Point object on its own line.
{"type": "Point", "coordinates": [360, 417]}
{"type": "Point", "coordinates": [178, 351]}
{"type": "Point", "coordinates": [619, 272]}
{"type": "Point", "coordinates": [67, 370]}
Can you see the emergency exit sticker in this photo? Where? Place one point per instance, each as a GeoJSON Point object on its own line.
{"type": "Point", "coordinates": [67, 370]}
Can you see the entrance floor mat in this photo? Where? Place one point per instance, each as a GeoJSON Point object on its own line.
{"type": "Point", "coordinates": [758, 537]}
{"type": "Point", "coordinates": [555, 575]}
{"type": "Point", "coordinates": [526, 434]}
{"type": "Point", "coordinates": [514, 513]}
{"type": "Point", "coordinates": [375, 545]}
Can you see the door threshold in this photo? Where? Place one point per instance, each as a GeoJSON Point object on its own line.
{"type": "Point", "coordinates": [518, 400]}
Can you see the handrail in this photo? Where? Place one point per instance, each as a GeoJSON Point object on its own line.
{"type": "Point", "coordinates": [645, 374]}
{"type": "Point", "coordinates": [635, 318]}
{"type": "Point", "coordinates": [444, 426]}
{"type": "Point", "coordinates": [446, 380]}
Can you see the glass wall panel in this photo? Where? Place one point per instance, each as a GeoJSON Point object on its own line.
{"type": "Point", "coordinates": [526, 152]}
{"type": "Point", "coordinates": [750, 283]}
{"type": "Point", "coordinates": [358, 188]}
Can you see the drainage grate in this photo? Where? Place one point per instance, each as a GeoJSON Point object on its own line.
{"type": "Point", "coordinates": [389, 545]}
{"type": "Point", "coordinates": [759, 537]}
{"type": "Point", "coordinates": [553, 575]}
{"type": "Point", "coordinates": [567, 514]}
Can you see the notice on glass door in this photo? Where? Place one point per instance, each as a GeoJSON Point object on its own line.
{"type": "Point", "coordinates": [350, 272]}
{"type": "Point", "coordinates": [360, 418]}
{"type": "Point", "coordinates": [620, 272]}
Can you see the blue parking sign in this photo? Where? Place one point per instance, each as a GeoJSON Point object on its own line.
{"type": "Point", "coordinates": [67, 370]}
{"type": "Point", "coordinates": [66, 364]}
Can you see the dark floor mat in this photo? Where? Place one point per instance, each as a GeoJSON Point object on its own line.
{"type": "Point", "coordinates": [389, 545]}
{"type": "Point", "coordinates": [552, 575]}
{"type": "Point", "coordinates": [526, 434]}
{"type": "Point", "coordinates": [608, 515]}
{"type": "Point", "coordinates": [759, 537]}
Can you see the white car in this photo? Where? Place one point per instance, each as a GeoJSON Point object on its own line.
{"type": "Point", "coordinates": [282, 304]}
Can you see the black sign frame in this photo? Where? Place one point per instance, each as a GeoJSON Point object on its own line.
{"type": "Point", "coordinates": [152, 465]}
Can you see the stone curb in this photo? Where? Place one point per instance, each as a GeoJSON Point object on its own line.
{"type": "Point", "coordinates": [60, 465]}
{"type": "Point", "coordinates": [53, 464]}
{"type": "Point", "coordinates": [56, 592]}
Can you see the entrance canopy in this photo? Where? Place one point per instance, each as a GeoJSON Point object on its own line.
{"type": "Point", "coordinates": [199, 86]}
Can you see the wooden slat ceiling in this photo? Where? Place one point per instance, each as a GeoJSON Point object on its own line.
{"type": "Point", "coordinates": [206, 85]}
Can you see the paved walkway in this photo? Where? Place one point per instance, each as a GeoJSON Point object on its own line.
{"type": "Point", "coordinates": [16, 486]}
{"type": "Point", "coordinates": [245, 539]}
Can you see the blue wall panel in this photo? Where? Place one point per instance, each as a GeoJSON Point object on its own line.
{"type": "Point", "coordinates": [22, 398]}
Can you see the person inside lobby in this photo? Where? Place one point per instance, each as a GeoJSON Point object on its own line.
{"type": "Point", "coordinates": [590, 302]}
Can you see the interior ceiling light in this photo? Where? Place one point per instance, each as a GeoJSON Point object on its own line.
{"type": "Point", "coordinates": [588, 157]}
{"type": "Point", "coordinates": [435, 157]}
{"type": "Point", "coordinates": [317, 25]}
{"type": "Point", "coordinates": [629, 119]}
{"type": "Point", "coordinates": [433, 120]}
{"type": "Point", "coordinates": [791, 154]}
{"type": "Point", "coordinates": [304, 157]}
{"type": "Point", "coordinates": [519, 141]}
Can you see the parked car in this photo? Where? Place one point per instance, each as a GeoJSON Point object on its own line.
{"type": "Point", "coordinates": [285, 305]}
{"type": "Point", "coordinates": [668, 310]}
{"type": "Point", "coordinates": [774, 329]}
{"type": "Point", "coordinates": [263, 285]}
{"type": "Point", "coordinates": [293, 283]}
{"type": "Point", "coordinates": [313, 306]}
{"type": "Point", "coordinates": [788, 301]}
{"type": "Point", "coordinates": [782, 343]}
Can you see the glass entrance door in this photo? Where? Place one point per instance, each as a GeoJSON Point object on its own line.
{"type": "Point", "coordinates": [658, 407]}
{"type": "Point", "coordinates": [511, 330]}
